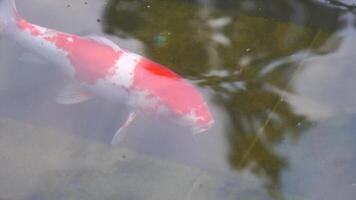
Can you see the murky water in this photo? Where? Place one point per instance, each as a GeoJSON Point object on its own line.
{"type": "Point", "coordinates": [279, 77]}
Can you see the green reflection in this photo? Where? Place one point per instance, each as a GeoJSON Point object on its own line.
{"type": "Point", "coordinates": [228, 52]}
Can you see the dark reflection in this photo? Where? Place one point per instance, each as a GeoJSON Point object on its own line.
{"type": "Point", "coordinates": [229, 47]}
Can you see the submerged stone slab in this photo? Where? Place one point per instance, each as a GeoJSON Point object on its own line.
{"type": "Point", "coordinates": [41, 163]}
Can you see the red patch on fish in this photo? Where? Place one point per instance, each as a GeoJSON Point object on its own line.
{"type": "Point", "coordinates": [91, 60]}
{"type": "Point", "coordinates": [174, 92]}
{"type": "Point", "coordinates": [24, 25]}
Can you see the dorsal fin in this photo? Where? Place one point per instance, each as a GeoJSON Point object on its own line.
{"type": "Point", "coordinates": [104, 41]}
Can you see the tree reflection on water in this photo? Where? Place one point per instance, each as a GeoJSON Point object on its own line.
{"type": "Point", "coordinates": [228, 47]}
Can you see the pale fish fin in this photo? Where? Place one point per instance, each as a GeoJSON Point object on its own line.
{"type": "Point", "coordinates": [122, 131]}
{"type": "Point", "coordinates": [105, 41]}
{"type": "Point", "coordinates": [31, 58]}
{"type": "Point", "coordinates": [72, 94]}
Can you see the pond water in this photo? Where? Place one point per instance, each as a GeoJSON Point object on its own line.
{"type": "Point", "coordinates": [279, 77]}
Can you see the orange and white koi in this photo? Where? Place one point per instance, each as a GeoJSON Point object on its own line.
{"type": "Point", "coordinates": [98, 66]}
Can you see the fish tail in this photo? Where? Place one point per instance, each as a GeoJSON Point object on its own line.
{"type": "Point", "coordinates": [8, 13]}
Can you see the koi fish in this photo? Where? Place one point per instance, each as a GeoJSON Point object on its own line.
{"type": "Point", "coordinates": [99, 67]}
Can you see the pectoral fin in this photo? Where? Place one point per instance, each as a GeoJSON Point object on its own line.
{"type": "Point", "coordinates": [122, 131]}
{"type": "Point", "coordinates": [72, 94]}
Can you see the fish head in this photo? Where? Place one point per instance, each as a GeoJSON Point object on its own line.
{"type": "Point", "coordinates": [199, 119]}
{"type": "Point", "coordinates": [168, 94]}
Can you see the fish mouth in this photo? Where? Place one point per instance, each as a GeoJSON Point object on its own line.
{"type": "Point", "coordinates": [198, 129]}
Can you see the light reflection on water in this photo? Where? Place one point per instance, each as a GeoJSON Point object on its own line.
{"type": "Point", "coordinates": [323, 75]}
{"type": "Point", "coordinates": [279, 81]}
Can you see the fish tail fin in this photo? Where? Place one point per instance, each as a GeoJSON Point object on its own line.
{"type": "Point", "coordinates": [8, 13]}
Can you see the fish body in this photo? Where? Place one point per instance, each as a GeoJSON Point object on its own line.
{"type": "Point", "coordinates": [99, 67]}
